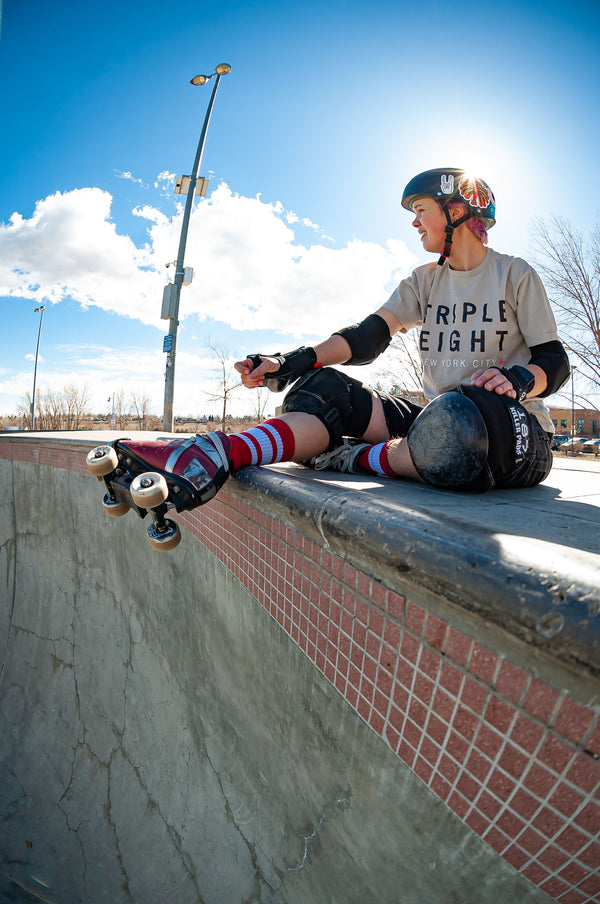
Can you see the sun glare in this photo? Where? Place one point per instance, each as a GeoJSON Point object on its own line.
{"type": "Point", "coordinates": [497, 162]}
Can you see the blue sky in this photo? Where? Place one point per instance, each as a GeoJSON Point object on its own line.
{"type": "Point", "coordinates": [330, 108]}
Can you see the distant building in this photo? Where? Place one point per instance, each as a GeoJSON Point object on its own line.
{"type": "Point", "coordinates": [585, 420]}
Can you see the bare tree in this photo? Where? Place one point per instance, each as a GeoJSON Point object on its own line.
{"type": "Point", "coordinates": [140, 404]}
{"type": "Point", "coordinates": [403, 374]}
{"type": "Point", "coordinates": [48, 410]}
{"type": "Point", "coordinates": [121, 409]}
{"type": "Point", "coordinates": [61, 409]}
{"type": "Point", "coordinates": [76, 405]}
{"type": "Point", "coordinates": [24, 410]}
{"type": "Point", "coordinates": [227, 382]}
{"type": "Point", "coordinates": [260, 404]}
{"type": "Point", "coordinates": [570, 267]}
{"type": "Point", "coordinates": [51, 410]}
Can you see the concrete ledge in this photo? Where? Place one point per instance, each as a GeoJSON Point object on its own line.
{"type": "Point", "coordinates": [527, 560]}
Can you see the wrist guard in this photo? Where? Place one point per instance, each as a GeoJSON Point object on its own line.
{"type": "Point", "coordinates": [521, 379]}
{"type": "Point", "coordinates": [291, 366]}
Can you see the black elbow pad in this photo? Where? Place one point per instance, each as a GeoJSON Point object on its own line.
{"type": "Point", "coordinates": [553, 360]}
{"type": "Point", "coordinates": [367, 340]}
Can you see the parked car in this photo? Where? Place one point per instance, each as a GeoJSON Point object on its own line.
{"type": "Point", "coordinates": [558, 439]}
{"type": "Point", "coordinates": [571, 446]}
{"type": "Point", "coordinates": [591, 445]}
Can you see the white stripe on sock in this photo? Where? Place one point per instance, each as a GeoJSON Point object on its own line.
{"type": "Point", "coordinates": [374, 459]}
{"type": "Point", "coordinates": [275, 457]}
{"type": "Point", "coordinates": [251, 446]}
{"type": "Point", "coordinates": [261, 436]}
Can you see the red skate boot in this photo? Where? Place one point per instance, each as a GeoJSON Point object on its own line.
{"type": "Point", "coordinates": [156, 475]}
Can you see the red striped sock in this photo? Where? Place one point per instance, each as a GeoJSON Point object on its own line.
{"type": "Point", "coordinates": [265, 444]}
{"type": "Point", "coordinates": [375, 460]}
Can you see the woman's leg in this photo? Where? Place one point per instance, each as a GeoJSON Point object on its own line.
{"type": "Point", "coordinates": [375, 452]}
{"type": "Point", "coordinates": [385, 456]}
{"type": "Point", "coordinates": [291, 437]}
{"type": "Point", "coordinates": [298, 436]}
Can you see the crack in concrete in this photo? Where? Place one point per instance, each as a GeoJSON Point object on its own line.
{"type": "Point", "coordinates": [175, 836]}
{"type": "Point", "coordinates": [320, 513]}
{"type": "Point", "coordinates": [251, 846]}
{"type": "Point", "coordinates": [10, 545]}
{"type": "Point", "coordinates": [113, 827]}
{"type": "Point", "coordinates": [341, 803]}
{"type": "Point", "coordinates": [83, 746]}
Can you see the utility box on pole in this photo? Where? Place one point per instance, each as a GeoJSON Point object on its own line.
{"type": "Point", "coordinates": [169, 302]}
{"type": "Point", "coordinates": [182, 186]}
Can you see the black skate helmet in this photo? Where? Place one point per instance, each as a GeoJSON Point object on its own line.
{"type": "Point", "coordinates": [451, 184]}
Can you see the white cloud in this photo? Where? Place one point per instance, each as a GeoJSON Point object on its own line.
{"type": "Point", "coordinates": [164, 182]}
{"type": "Point", "coordinates": [251, 273]}
{"type": "Point", "coordinates": [69, 247]}
{"type": "Point", "coordinates": [130, 178]}
{"type": "Point", "coordinates": [151, 213]}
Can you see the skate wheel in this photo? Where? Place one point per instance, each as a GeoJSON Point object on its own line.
{"type": "Point", "coordinates": [167, 538]}
{"type": "Point", "coordinates": [149, 490]}
{"type": "Point", "coordinates": [102, 460]}
{"type": "Point", "coordinates": [114, 508]}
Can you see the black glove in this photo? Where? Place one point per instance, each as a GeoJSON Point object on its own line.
{"type": "Point", "coordinates": [291, 366]}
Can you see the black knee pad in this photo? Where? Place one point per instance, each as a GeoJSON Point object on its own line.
{"type": "Point", "coordinates": [448, 441]}
{"type": "Point", "coordinates": [512, 432]}
{"type": "Point", "coordinates": [342, 404]}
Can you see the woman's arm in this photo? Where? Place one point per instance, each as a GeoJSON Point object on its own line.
{"type": "Point", "coordinates": [369, 336]}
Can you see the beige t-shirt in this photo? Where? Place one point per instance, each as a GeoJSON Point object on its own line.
{"type": "Point", "coordinates": [473, 319]}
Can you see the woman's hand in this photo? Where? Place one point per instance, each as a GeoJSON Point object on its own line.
{"type": "Point", "coordinates": [253, 377]}
{"type": "Point", "coordinates": [491, 379]}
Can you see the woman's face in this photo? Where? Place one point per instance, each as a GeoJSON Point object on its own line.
{"type": "Point", "coordinates": [430, 220]}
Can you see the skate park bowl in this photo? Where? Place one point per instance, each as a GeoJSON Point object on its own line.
{"type": "Point", "coordinates": [335, 689]}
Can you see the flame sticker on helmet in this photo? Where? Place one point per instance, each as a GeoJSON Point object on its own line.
{"type": "Point", "coordinates": [475, 192]}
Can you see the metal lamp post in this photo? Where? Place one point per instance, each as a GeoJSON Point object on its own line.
{"type": "Point", "coordinates": [112, 419]}
{"type": "Point", "coordinates": [573, 369]}
{"type": "Point", "coordinates": [39, 310]}
{"type": "Point", "coordinates": [173, 292]}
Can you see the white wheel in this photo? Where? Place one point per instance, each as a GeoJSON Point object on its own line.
{"type": "Point", "coordinates": [113, 508]}
{"type": "Point", "coordinates": [102, 460]}
{"type": "Point", "coordinates": [149, 490]}
{"type": "Point", "coordinates": [166, 539]}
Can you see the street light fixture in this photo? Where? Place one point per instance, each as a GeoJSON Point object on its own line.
{"type": "Point", "coordinates": [172, 293]}
{"type": "Point", "coordinates": [39, 311]}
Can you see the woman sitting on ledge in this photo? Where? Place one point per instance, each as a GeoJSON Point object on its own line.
{"type": "Point", "coordinates": [489, 349]}
{"type": "Point", "coordinates": [490, 353]}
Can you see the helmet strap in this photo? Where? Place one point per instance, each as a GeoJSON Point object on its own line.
{"type": "Point", "coordinates": [449, 231]}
